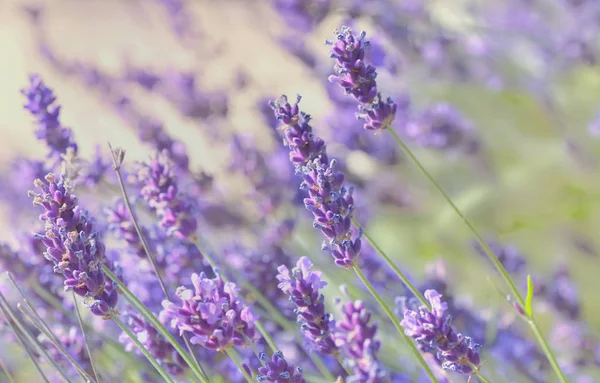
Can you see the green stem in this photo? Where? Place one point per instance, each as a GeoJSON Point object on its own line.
{"type": "Point", "coordinates": [233, 357]}
{"type": "Point", "coordinates": [394, 320]}
{"type": "Point", "coordinates": [156, 323]}
{"type": "Point", "coordinates": [85, 339]}
{"type": "Point", "coordinates": [6, 372]}
{"type": "Point", "coordinates": [393, 266]}
{"type": "Point", "coordinates": [143, 349]}
{"type": "Point", "coordinates": [493, 258]}
{"type": "Point", "coordinates": [266, 335]}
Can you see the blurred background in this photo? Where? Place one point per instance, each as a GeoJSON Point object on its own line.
{"type": "Point", "coordinates": [500, 101]}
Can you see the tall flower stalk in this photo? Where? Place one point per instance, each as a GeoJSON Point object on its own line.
{"type": "Point", "coordinates": [358, 79]}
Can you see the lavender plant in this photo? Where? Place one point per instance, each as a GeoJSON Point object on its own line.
{"type": "Point", "coordinates": [202, 267]}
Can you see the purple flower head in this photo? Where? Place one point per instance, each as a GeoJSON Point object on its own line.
{"type": "Point", "coordinates": [509, 256]}
{"type": "Point", "coordinates": [302, 285]}
{"type": "Point", "coordinates": [158, 187]}
{"type": "Point", "coordinates": [96, 170]}
{"type": "Point", "coordinates": [563, 295]}
{"type": "Point", "coordinates": [379, 115]}
{"type": "Point", "coordinates": [72, 341]}
{"type": "Point", "coordinates": [73, 246]}
{"type": "Point", "coordinates": [213, 312]}
{"type": "Point", "coordinates": [356, 337]}
{"type": "Point", "coordinates": [41, 104]}
{"type": "Point", "coordinates": [432, 328]}
{"type": "Point", "coordinates": [351, 72]}
{"type": "Point", "coordinates": [278, 370]}
{"type": "Point", "coordinates": [304, 146]}
{"type": "Point", "coordinates": [332, 205]}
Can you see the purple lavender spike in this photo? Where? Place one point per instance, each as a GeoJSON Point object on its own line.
{"type": "Point", "coordinates": [432, 328]}
{"type": "Point", "coordinates": [213, 312]}
{"type": "Point", "coordinates": [74, 247]}
{"type": "Point", "coordinates": [303, 15]}
{"type": "Point", "coordinates": [302, 285]}
{"type": "Point", "coordinates": [278, 370]}
{"type": "Point", "coordinates": [41, 104]}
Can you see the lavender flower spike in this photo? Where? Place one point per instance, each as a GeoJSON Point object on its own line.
{"type": "Point", "coordinates": [41, 104]}
{"type": "Point", "coordinates": [356, 337]}
{"type": "Point", "coordinates": [213, 312]}
{"type": "Point", "coordinates": [277, 370]}
{"type": "Point", "coordinates": [158, 187]}
{"type": "Point", "coordinates": [74, 247]}
{"type": "Point", "coordinates": [433, 330]}
{"type": "Point", "coordinates": [359, 79]}
{"type": "Point", "coordinates": [302, 285]}
{"type": "Point", "coordinates": [328, 199]}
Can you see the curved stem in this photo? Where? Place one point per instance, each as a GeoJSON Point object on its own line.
{"type": "Point", "coordinates": [493, 258]}
{"type": "Point", "coordinates": [233, 357]}
{"type": "Point", "coordinates": [143, 349]}
{"type": "Point", "coordinates": [156, 323]}
{"type": "Point", "coordinates": [394, 320]}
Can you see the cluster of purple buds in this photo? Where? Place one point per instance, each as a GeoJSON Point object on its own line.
{"type": "Point", "coordinates": [328, 199]}
{"type": "Point", "coordinates": [358, 79]}
{"type": "Point", "coordinates": [120, 222]}
{"type": "Point", "coordinates": [41, 104]}
{"type": "Point", "coordinates": [158, 187]}
{"type": "Point", "coordinates": [213, 312]}
{"type": "Point", "coordinates": [278, 370]}
{"type": "Point", "coordinates": [432, 328]}
{"type": "Point", "coordinates": [73, 246]}
{"type": "Point", "coordinates": [302, 285]}
{"type": "Point", "coordinates": [356, 337]}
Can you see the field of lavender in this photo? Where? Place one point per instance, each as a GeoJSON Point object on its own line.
{"type": "Point", "coordinates": [290, 191]}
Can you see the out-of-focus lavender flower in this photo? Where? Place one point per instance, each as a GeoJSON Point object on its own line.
{"type": "Point", "coordinates": [213, 312]}
{"type": "Point", "coordinates": [442, 127]}
{"type": "Point", "coordinates": [302, 285]}
{"type": "Point", "coordinates": [73, 246]}
{"type": "Point", "coordinates": [594, 126]}
{"type": "Point", "coordinates": [296, 46]}
{"type": "Point", "coordinates": [562, 294]}
{"type": "Point", "coordinates": [96, 170]}
{"type": "Point", "coordinates": [509, 256]}
{"type": "Point", "coordinates": [303, 15]}
{"type": "Point", "coordinates": [41, 104]}
{"type": "Point", "coordinates": [278, 370]}
{"type": "Point", "coordinates": [72, 341]}
{"type": "Point", "coordinates": [329, 201]}
{"type": "Point", "coordinates": [155, 343]}
{"type": "Point", "coordinates": [158, 187]}
{"type": "Point", "coordinates": [119, 222]}
{"type": "Point", "coordinates": [520, 355]}
{"type": "Point", "coordinates": [432, 328]}
{"type": "Point", "coordinates": [356, 337]}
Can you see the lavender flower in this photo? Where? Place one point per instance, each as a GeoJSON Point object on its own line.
{"type": "Point", "coordinates": [302, 285]}
{"type": "Point", "coordinates": [278, 370]}
{"type": "Point", "coordinates": [41, 104]}
{"type": "Point", "coordinates": [329, 201]}
{"type": "Point", "coordinates": [303, 15]}
{"type": "Point", "coordinates": [432, 328]}
{"type": "Point", "coordinates": [213, 312]}
{"type": "Point", "coordinates": [158, 187]}
{"type": "Point", "coordinates": [509, 256]}
{"type": "Point", "coordinates": [356, 337]}
{"type": "Point", "coordinates": [73, 246]}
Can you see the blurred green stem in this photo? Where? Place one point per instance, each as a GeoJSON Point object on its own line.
{"type": "Point", "coordinates": [235, 359]}
{"type": "Point", "coordinates": [143, 349]}
{"type": "Point", "coordinates": [491, 256]}
{"type": "Point", "coordinates": [6, 372]}
{"type": "Point", "coordinates": [394, 320]}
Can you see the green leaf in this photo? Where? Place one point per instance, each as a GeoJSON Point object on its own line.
{"type": "Point", "coordinates": [529, 296]}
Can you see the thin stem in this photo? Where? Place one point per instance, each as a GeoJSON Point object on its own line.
{"type": "Point", "coordinates": [233, 357]}
{"type": "Point", "coordinates": [143, 349]}
{"type": "Point", "coordinates": [24, 345]}
{"type": "Point", "coordinates": [394, 320]}
{"type": "Point", "coordinates": [155, 322]}
{"type": "Point", "coordinates": [118, 157]}
{"type": "Point", "coordinates": [341, 363]}
{"type": "Point", "coordinates": [85, 340]}
{"type": "Point", "coordinates": [490, 253]}
{"type": "Point", "coordinates": [268, 338]}
{"type": "Point", "coordinates": [39, 323]}
{"type": "Point", "coordinates": [393, 266]}
{"type": "Point", "coordinates": [18, 328]}
{"type": "Point", "coordinates": [6, 372]}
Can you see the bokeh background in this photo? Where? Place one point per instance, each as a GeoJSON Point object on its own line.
{"type": "Point", "coordinates": [522, 79]}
